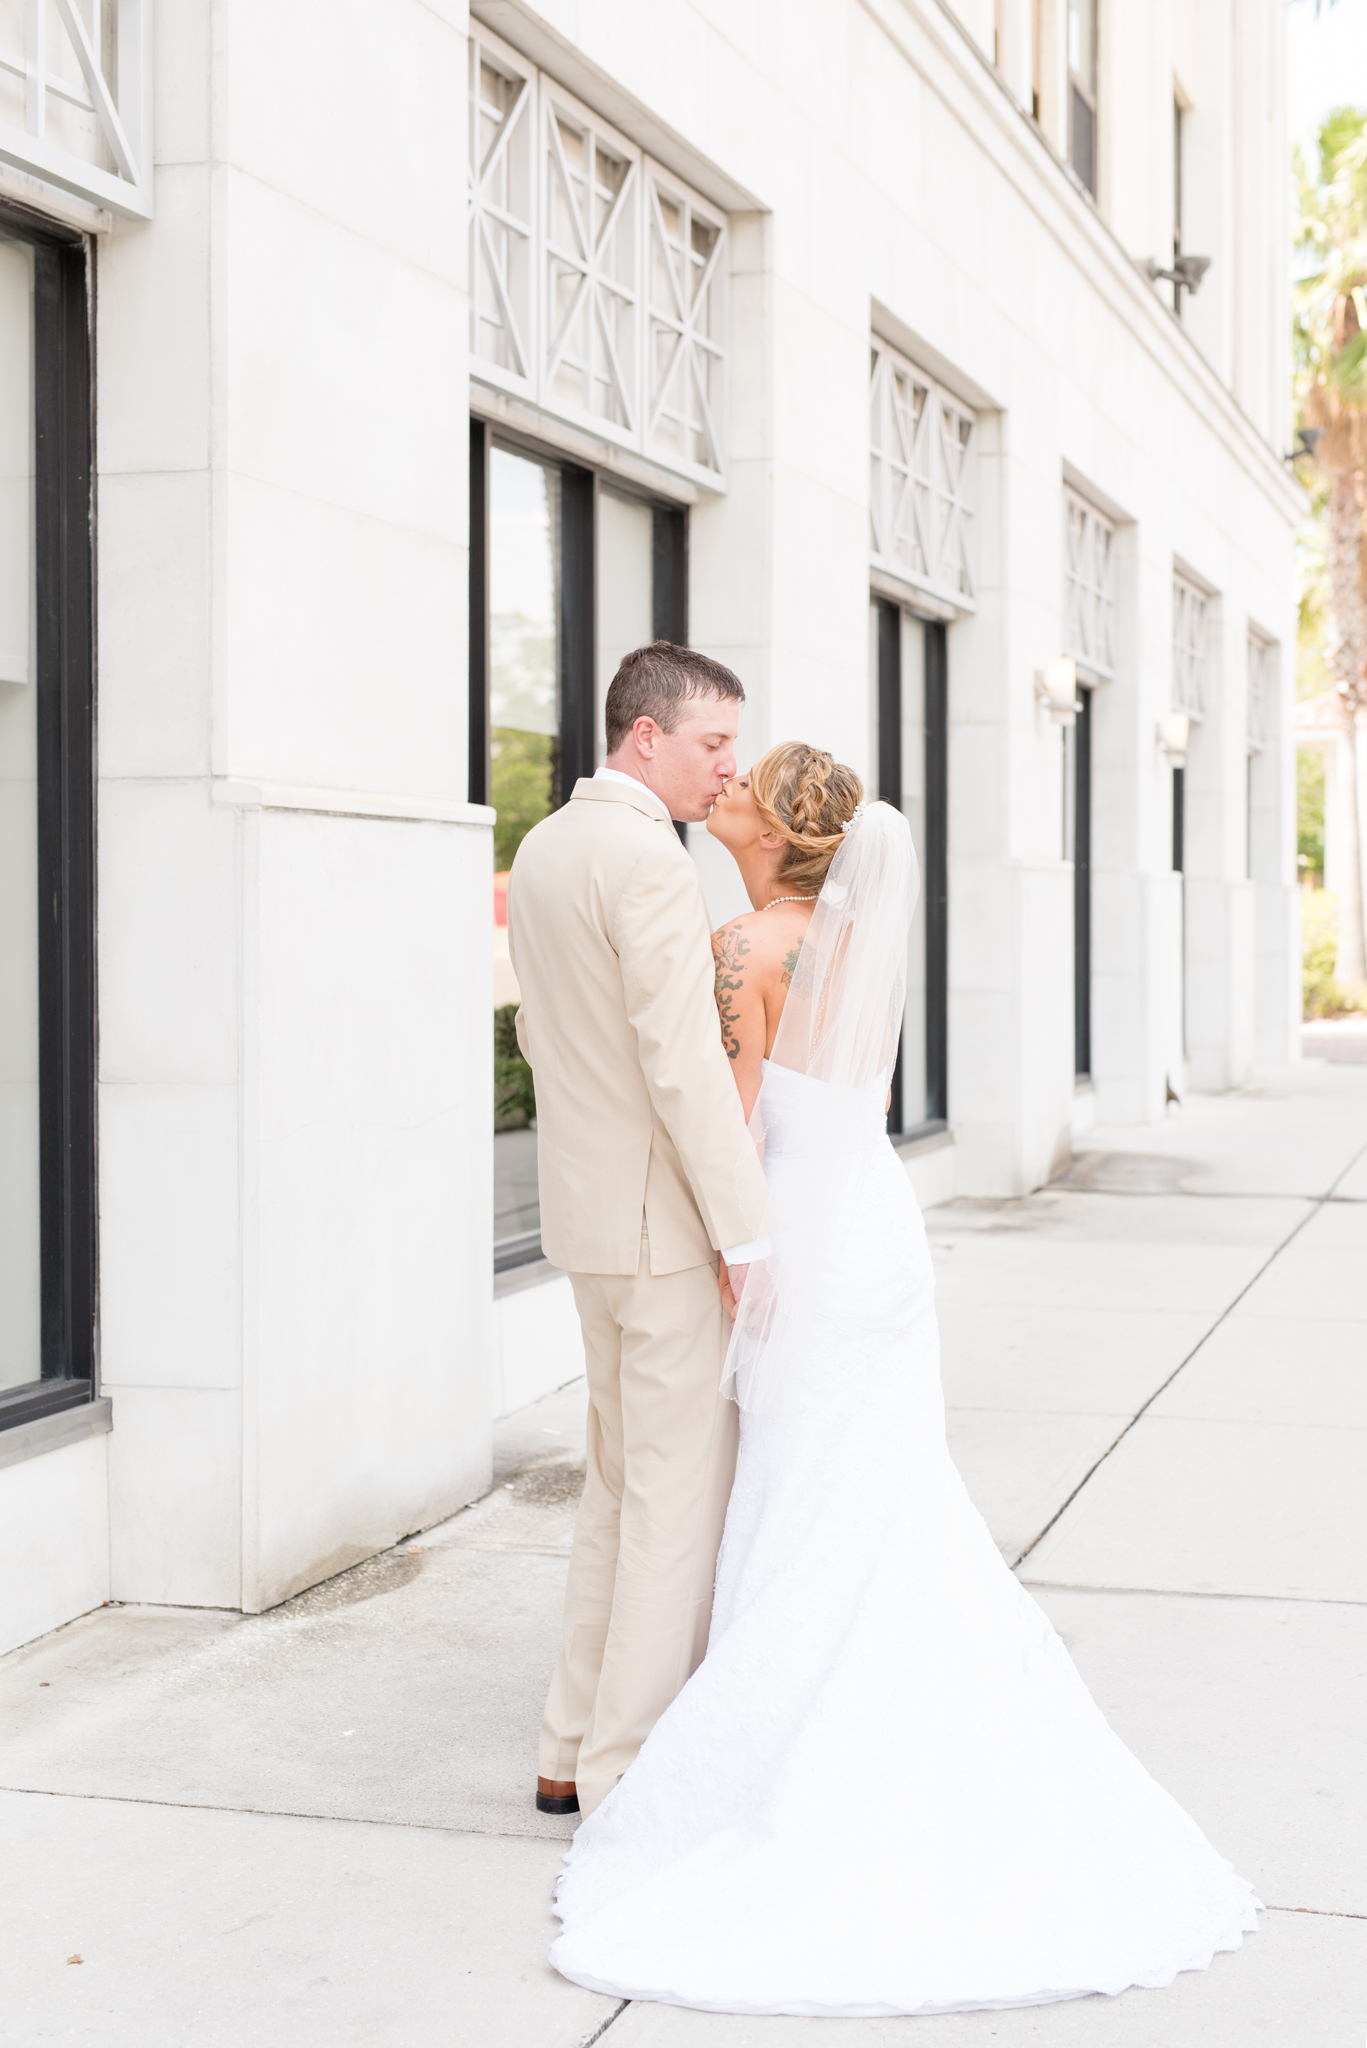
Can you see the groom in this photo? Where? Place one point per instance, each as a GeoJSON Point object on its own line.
{"type": "Point", "coordinates": [647, 1171]}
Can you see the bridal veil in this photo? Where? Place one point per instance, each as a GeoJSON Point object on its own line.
{"type": "Point", "coordinates": [840, 1031]}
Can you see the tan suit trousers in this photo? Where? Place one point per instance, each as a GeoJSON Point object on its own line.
{"type": "Point", "coordinates": [661, 1458]}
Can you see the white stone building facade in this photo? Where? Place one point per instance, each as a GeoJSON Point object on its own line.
{"type": "Point", "coordinates": [370, 388]}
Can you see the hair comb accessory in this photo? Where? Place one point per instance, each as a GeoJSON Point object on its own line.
{"type": "Point", "coordinates": [855, 815]}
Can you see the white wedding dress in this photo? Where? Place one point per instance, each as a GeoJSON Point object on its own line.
{"type": "Point", "coordinates": [886, 1789]}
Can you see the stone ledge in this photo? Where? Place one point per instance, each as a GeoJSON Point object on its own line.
{"type": "Point", "coordinates": [53, 1432]}
{"type": "Point", "coordinates": [248, 794]}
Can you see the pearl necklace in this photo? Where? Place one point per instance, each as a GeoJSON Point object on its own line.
{"type": "Point", "coordinates": [786, 899]}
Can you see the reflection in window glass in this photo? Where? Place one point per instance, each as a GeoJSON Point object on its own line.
{"type": "Point", "coordinates": [626, 528]}
{"type": "Point", "coordinates": [20, 1224]}
{"type": "Point", "coordinates": [524, 692]}
{"type": "Point", "coordinates": [524, 755]}
{"type": "Point", "coordinates": [527, 605]}
{"type": "Point", "coordinates": [1082, 42]}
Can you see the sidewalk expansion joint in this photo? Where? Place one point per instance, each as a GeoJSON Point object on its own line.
{"type": "Point", "coordinates": [349, 1820]}
{"type": "Point", "coordinates": [610, 2021]}
{"type": "Point", "coordinates": [1193, 1593]}
{"type": "Point", "coordinates": [1319, 1913]}
{"type": "Point", "coordinates": [1316, 1204]}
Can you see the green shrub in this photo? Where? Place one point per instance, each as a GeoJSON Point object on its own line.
{"type": "Point", "coordinates": [514, 1090]}
{"type": "Point", "coordinates": [1323, 996]}
{"type": "Point", "coordinates": [523, 792]}
{"type": "Point", "coordinates": [1310, 813]}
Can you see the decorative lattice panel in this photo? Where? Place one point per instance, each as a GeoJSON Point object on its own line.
{"type": "Point", "coordinates": [502, 212]}
{"type": "Point", "coordinates": [591, 262]}
{"type": "Point", "coordinates": [686, 340]}
{"type": "Point", "coordinates": [76, 100]}
{"type": "Point", "coordinates": [1190, 648]}
{"type": "Point", "coordinates": [922, 479]}
{"type": "Point", "coordinates": [597, 279]}
{"type": "Point", "coordinates": [1088, 588]}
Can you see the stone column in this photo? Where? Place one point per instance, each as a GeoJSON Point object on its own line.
{"type": "Point", "coordinates": [294, 956]}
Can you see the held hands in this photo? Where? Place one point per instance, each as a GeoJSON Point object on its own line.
{"type": "Point", "coordinates": [731, 1280]}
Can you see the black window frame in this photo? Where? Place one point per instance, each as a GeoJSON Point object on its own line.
{"type": "Point", "coordinates": [1082, 885]}
{"type": "Point", "coordinates": [1178, 139]}
{"type": "Point", "coordinates": [1179, 868]}
{"type": "Point", "coordinates": [935, 878]}
{"type": "Point", "coordinates": [580, 485]}
{"type": "Point", "coordinates": [64, 685]}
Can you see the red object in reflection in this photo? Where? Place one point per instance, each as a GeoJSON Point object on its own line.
{"type": "Point", "coordinates": [501, 898]}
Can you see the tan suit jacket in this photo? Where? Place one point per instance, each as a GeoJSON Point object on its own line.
{"type": "Point", "coordinates": [638, 1118]}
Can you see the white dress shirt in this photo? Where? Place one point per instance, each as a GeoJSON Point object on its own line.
{"type": "Point", "coordinates": [633, 782]}
{"type": "Point", "coordinates": [758, 1247]}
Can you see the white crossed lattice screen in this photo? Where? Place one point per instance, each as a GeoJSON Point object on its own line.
{"type": "Point", "coordinates": [686, 330]}
{"type": "Point", "coordinates": [1263, 669]}
{"type": "Point", "coordinates": [76, 98]}
{"type": "Point", "coordinates": [1190, 648]}
{"type": "Point", "coordinates": [597, 280]}
{"type": "Point", "coordinates": [502, 247]}
{"type": "Point", "coordinates": [922, 462]}
{"type": "Point", "coordinates": [1088, 588]}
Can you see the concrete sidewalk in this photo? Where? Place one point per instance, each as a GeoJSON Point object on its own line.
{"type": "Point", "coordinates": [314, 1826]}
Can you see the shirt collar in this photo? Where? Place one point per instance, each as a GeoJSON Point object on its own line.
{"type": "Point", "coordinates": [632, 782]}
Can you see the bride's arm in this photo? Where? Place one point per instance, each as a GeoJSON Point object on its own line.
{"type": "Point", "coordinates": [740, 1007]}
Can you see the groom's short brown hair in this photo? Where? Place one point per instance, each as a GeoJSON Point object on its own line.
{"type": "Point", "coordinates": [657, 681]}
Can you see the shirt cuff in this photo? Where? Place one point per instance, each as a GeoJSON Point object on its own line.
{"type": "Point", "coordinates": [746, 1254]}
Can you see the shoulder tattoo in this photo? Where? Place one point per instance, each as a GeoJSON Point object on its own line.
{"type": "Point", "coordinates": [729, 950]}
{"type": "Point", "coordinates": [796, 971]}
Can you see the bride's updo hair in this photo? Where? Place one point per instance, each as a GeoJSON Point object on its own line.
{"type": "Point", "coordinates": [807, 796]}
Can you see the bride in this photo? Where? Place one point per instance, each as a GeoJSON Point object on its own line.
{"type": "Point", "coordinates": [886, 1789]}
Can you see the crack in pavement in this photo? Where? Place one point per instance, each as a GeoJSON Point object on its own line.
{"type": "Point", "coordinates": [610, 2021]}
{"type": "Point", "coordinates": [356, 1820]}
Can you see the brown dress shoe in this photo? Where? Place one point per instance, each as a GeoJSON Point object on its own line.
{"type": "Point", "coordinates": [556, 1795]}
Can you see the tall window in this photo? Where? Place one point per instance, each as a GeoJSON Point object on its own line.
{"type": "Point", "coordinates": [1089, 637]}
{"type": "Point", "coordinates": [1264, 661]}
{"type": "Point", "coordinates": [1082, 77]}
{"type": "Point", "coordinates": [526, 758]}
{"type": "Point", "coordinates": [1177, 153]}
{"type": "Point", "coordinates": [568, 572]}
{"type": "Point", "coordinates": [597, 278]}
{"type": "Point", "coordinates": [922, 480]}
{"type": "Point", "coordinates": [1077, 848]}
{"type": "Point", "coordinates": [47, 1035]}
{"type": "Point", "coordinates": [1190, 693]}
{"type": "Point", "coordinates": [907, 660]}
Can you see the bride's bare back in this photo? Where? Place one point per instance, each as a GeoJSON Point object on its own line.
{"type": "Point", "coordinates": [755, 957]}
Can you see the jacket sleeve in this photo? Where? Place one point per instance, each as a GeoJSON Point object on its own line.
{"type": "Point", "coordinates": [661, 937]}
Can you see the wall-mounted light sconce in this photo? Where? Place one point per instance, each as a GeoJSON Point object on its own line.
{"type": "Point", "coordinates": [1056, 689]}
{"type": "Point", "coordinates": [1307, 441]}
{"type": "Point", "coordinates": [1174, 732]}
{"type": "Point", "coordinates": [1186, 273]}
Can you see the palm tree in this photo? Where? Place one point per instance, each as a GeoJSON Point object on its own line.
{"type": "Point", "coordinates": [1331, 364]}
